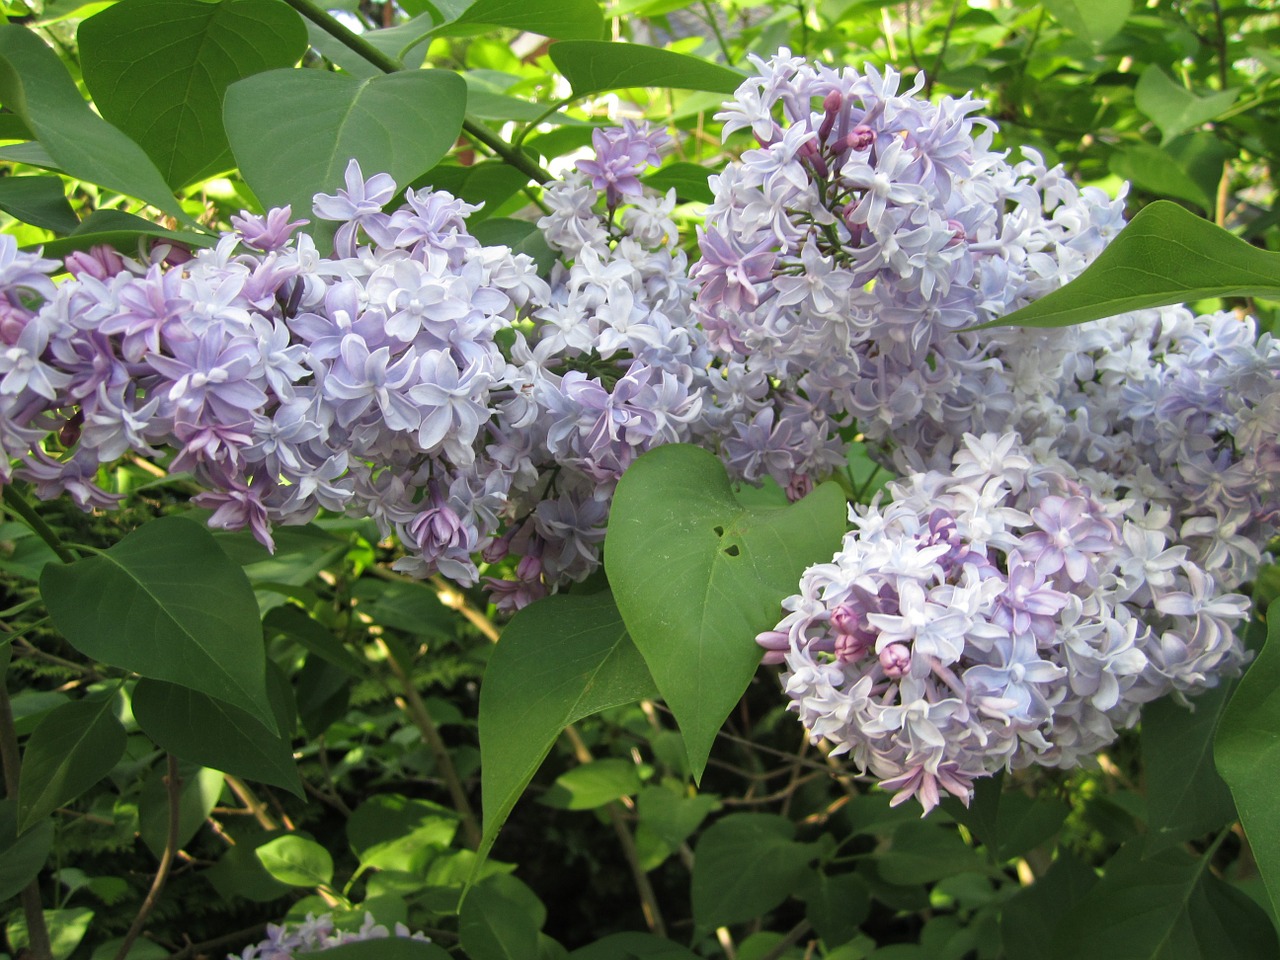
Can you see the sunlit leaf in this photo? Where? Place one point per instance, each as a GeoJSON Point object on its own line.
{"type": "Point", "coordinates": [591, 66]}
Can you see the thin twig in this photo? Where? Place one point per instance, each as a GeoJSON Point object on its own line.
{"type": "Point", "coordinates": [786, 943]}
{"type": "Point", "coordinates": [648, 899]}
{"type": "Point", "coordinates": [942, 50]}
{"type": "Point", "coordinates": [412, 704]}
{"type": "Point", "coordinates": [173, 785]}
{"type": "Point", "coordinates": [251, 803]}
{"type": "Point", "coordinates": [205, 946]}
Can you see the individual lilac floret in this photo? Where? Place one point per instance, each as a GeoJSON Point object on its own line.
{"type": "Point", "coordinates": [994, 617]}
{"type": "Point", "coordinates": [622, 154]}
{"type": "Point", "coordinates": [314, 934]}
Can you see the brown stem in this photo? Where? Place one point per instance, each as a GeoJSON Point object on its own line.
{"type": "Point", "coordinates": [412, 704]}
{"type": "Point", "coordinates": [786, 943]}
{"type": "Point", "coordinates": [648, 899]}
{"type": "Point", "coordinates": [173, 785]}
{"type": "Point", "coordinates": [251, 802]}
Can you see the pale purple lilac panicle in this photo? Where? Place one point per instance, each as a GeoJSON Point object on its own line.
{"type": "Point", "coordinates": [314, 934]}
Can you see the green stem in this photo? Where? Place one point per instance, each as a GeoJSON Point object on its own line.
{"type": "Point", "coordinates": [17, 503]}
{"type": "Point", "coordinates": [359, 45]}
{"type": "Point", "coordinates": [714, 24]}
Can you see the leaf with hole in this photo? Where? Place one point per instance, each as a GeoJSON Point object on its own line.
{"type": "Point", "coordinates": [697, 575]}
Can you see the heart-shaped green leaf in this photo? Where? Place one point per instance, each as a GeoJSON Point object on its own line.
{"type": "Point", "coordinates": [697, 576]}
{"type": "Point", "coordinates": [293, 131]}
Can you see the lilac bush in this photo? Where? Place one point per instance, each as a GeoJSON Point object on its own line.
{"type": "Point", "coordinates": [1077, 505]}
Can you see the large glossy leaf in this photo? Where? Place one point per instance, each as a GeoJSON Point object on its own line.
{"type": "Point", "coordinates": [1247, 753]}
{"type": "Point", "coordinates": [745, 865]}
{"type": "Point", "coordinates": [1023, 918]}
{"type": "Point", "coordinates": [73, 748]}
{"type": "Point", "coordinates": [40, 201]}
{"type": "Point", "coordinates": [1166, 907]}
{"type": "Point", "coordinates": [1172, 107]}
{"type": "Point", "coordinates": [1186, 798]}
{"type": "Point", "coordinates": [1165, 255]}
{"type": "Point", "coordinates": [697, 576]}
{"type": "Point", "coordinates": [1094, 21]}
{"type": "Point", "coordinates": [158, 69]}
{"type": "Point", "coordinates": [560, 660]}
{"type": "Point", "coordinates": [293, 131]}
{"type": "Point", "coordinates": [35, 85]}
{"type": "Point", "coordinates": [167, 603]}
{"type": "Point", "coordinates": [594, 65]}
{"type": "Point", "coordinates": [21, 855]}
{"type": "Point", "coordinates": [214, 734]}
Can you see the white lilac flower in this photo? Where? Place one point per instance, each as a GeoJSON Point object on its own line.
{"type": "Point", "coordinates": [941, 645]}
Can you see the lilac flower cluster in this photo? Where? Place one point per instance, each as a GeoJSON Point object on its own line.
{"type": "Point", "coordinates": [315, 934]}
{"type": "Point", "coordinates": [845, 255]}
{"type": "Point", "coordinates": [1000, 614]}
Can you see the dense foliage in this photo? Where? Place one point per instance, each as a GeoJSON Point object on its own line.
{"type": "Point", "coordinates": [421, 420]}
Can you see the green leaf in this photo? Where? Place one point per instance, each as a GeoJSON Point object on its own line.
{"type": "Point", "coordinates": [314, 637]}
{"type": "Point", "coordinates": [559, 19]}
{"type": "Point", "coordinates": [66, 929]}
{"type": "Point", "coordinates": [837, 906]}
{"type": "Point", "coordinates": [560, 660]}
{"type": "Point", "coordinates": [198, 792]}
{"type": "Point", "coordinates": [591, 66]}
{"type": "Point", "coordinates": [697, 576]}
{"type": "Point", "coordinates": [490, 182]}
{"type": "Point", "coordinates": [1172, 107]}
{"type": "Point", "coordinates": [1189, 168]}
{"type": "Point", "coordinates": [1165, 255]}
{"type": "Point", "coordinates": [1022, 920]}
{"type": "Point", "coordinates": [671, 816]}
{"type": "Point", "coordinates": [293, 131]}
{"type": "Point", "coordinates": [392, 948]}
{"type": "Point", "coordinates": [1166, 907]}
{"type": "Point", "coordinates": [1094, 21]}
{"type": "Point", "coordinates": [39, 201]}
{"type": "Point", "coordinates": [140, 949]}
{"type": "Point", "coordinates": [500, 920]}
{"type": "Point", "coordinates": [297, 861]}
{"type": "Point", "coordinates": [926, 851]}
{"type": "Point", "coordinates": [392, 832]}
{"type": "Point", "coordinates": [239, 872]}
{"type": "Point", "coordinates": [214, 734]}
{"type": "Point", "coordinates": [1247, 753]}
{"type": "Point", "coordinates": [167, 603]}
{"type": "Point", "coordinates": [21, 855]}
{"type": "Point", "coordinates": [745, 865]}
{"type": "Point", "coordinates": [688, 179]}
{"type": "Point", "coordinates": [158, 70]}
{"type": "Point", "coordinates": [1186, 798]}
{"type": "Point", "coordinates": [73, 748]}
{"type": "Point", "coordinates": [1008, 822]}
{"type": "Point", "coordinates": [593, 785]}
{"type": "Point", "coordinates": [123, 231]}
{"type": "Point", "coordinates": [36, 86]}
